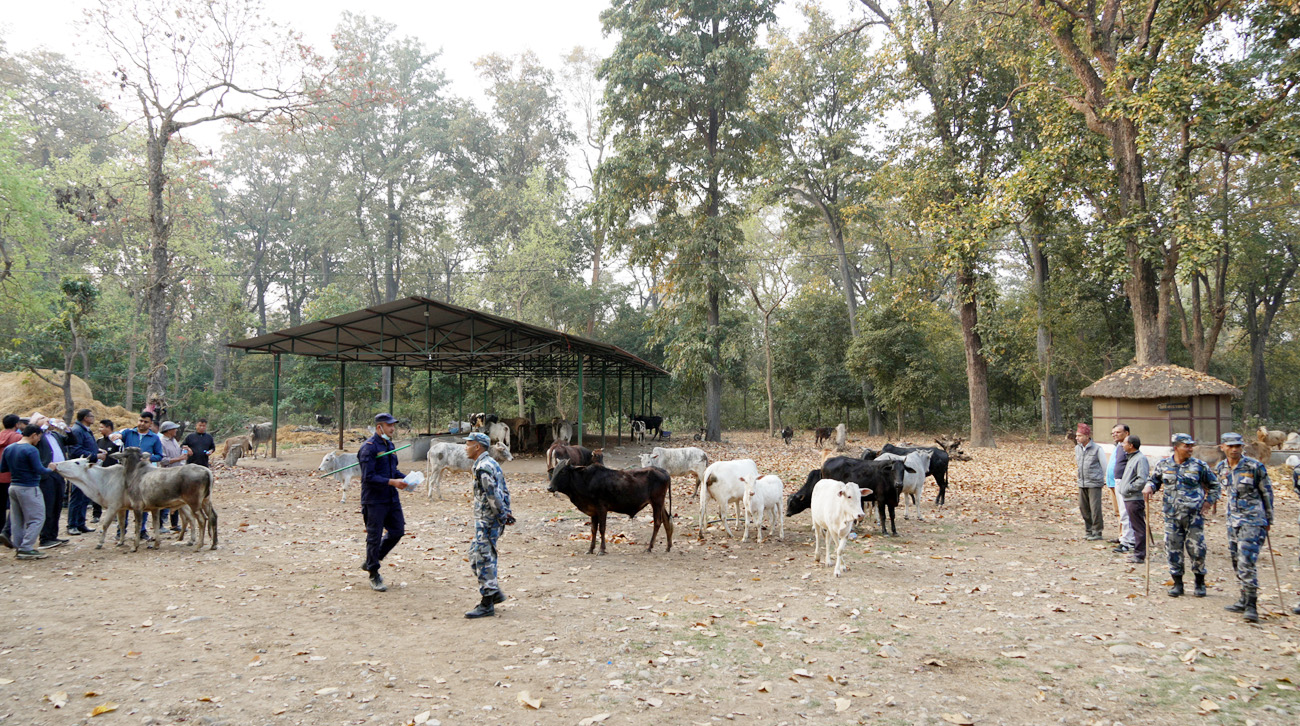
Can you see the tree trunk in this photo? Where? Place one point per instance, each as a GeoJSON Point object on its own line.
{"type": "Point", "coordinates": [1256, 401]}
{"type": "Point", "coordinates": [977, 369]}
{"type": "Point", "coordinates": [129, 402]}
{"type": "Point", "coordinates": [713, 383]}
{"type": "Point", "coordinates": [767, 375]}
{"type": "Point", "coordinates": [898, 417]}
{"type": "Point", "coordinates": [519, 393]}
{"type": "Point", "coordinates": [219, 370]}
{"type": "Point", "coordinates": [1049, 396]}
{"type": "Point", "coordinates": [67, 388]}
{"type": "Point", "coordinates": [157, 301]}
{"type": "Point", "coordinates": [598, 239]}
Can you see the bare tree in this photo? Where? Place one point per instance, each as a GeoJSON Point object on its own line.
{"type": "Point", "coordinates": [769, 284]}
{"type": "Point", "coordinates": [186, 64]}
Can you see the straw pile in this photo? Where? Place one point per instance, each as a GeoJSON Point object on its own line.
{"type": "Point", "coordinates": [23, 393]}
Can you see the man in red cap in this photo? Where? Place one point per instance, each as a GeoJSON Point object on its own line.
{"type": "Point", "coordinates": [1092, 479]}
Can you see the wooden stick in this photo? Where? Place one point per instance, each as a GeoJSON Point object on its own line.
{"type": "Point", "coordinates": [1276, 578]}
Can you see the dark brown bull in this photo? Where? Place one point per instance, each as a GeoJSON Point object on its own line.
{"type": "Point", "coordinates": [596, 491]}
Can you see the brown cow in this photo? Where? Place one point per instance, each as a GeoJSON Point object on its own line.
{"type": "Point", "coordinates": [597, 491]}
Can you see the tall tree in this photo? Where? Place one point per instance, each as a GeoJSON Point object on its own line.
{"type": "Point", "coordinates": [677, 91]}
{"type": "Point", "coordinates": [185, 64]}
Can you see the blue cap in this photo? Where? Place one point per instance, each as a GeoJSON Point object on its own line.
{"type": "Point", "coordinates": [481, 439]}
{"type": "Point", "coordinates": [1232, 439]}
{"type": "Point", "coordinates": [385, 418]}
{"type": "Point", "coordinates": [1182, 439]}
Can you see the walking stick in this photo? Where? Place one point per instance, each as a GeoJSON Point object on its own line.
{"type": "Point", "coordinates": [1151, 540]}
{"type": "Point", "coordinates": [1276, 578]}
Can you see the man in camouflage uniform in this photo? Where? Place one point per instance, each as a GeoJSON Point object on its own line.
{"type": "Point", "coordinates": [491, 515]}
{"type": "Point", "coordinates": [1193, 489]}
{"type": "Point", "coordinates": [1250, 513]}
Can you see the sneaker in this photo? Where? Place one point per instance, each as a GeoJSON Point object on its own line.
{"type": "Point", "coordinates": [377, 583]}
{"type": "Point", "coordinates": [1092, 537]}
{"type": "Point", "coordinates": [1122, 549]}
{"type": "Point", "coordinates": [94, 520]}
{"type": "Point", "coordinates": [31, 555]}
{"type": "Point", "coordinates": [1137, 560]}
{"type": "Point", "coordinates": [4, 540]}
{"type": "Point", "coordinates": [52, 544]}
{"type": "Point", "coordinates": [74, 532]}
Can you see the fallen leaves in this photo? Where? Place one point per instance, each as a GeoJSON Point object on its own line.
{"type": "Point", "coordinates": [58, 698]}
{"type": "Point", "coordinates": [1208, 706]}
{"type": "Point", "coordinates": [104, 708]}
{"type": "Point", "coordinates": [526, 699]}
{"type": "Point", "coordinates": [958, 719]}
{"type": "Point", "coordinates": [598, 718]}
{"type": "Point", "coordinates": [842, 704]}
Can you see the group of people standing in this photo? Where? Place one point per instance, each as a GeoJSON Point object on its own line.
{"type": "Point", "coordinates": [1191, 489]}
{"type": "Point", "coordinates": [32, 492]}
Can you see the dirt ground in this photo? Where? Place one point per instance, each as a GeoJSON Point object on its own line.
{"type": "Point", "coordinates": [992, 611]}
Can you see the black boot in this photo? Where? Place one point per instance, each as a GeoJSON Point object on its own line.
{"type": "Point", "coordinates": [498, 597]}
{"type": "Point", "coordinates": [1238, 606]}
{"type": "Point", "coordinates": [1296, 610]}
{"type": "Point", "coordinates": [1177, 589]}
{"type": "Point", "coordinates": [483, 610]}
{"type": "Point", "coordinates": [1200, 586]}
{"type": "Point", "coordinates": [377, 582]}
{"type": "Point", "coordinates": [1251, 615]}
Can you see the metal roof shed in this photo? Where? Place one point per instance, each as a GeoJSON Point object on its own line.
{"type": "Point", "coordinates": [425, 334]}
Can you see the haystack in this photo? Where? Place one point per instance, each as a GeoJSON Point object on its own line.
{"type": "Point", "coordinates": [23, 393]}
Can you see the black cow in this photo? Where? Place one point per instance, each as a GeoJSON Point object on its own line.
{"type": "Point", "coordinates": [323, 420]}
{"type": "Point", "coordinates": [821, 434]}
{"type": "Point", "coordinates": [652, 423]}
{"type": "Point", "coordinates": [596, 491]}
{"type": "Point", "coordinates": [787, 434]}
{"type": "Point", "coordinates": [938, 464]}
{"type": "Point", "coordinates": [883, 478]}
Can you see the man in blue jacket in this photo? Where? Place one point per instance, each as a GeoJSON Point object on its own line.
{"type": "Point", "coordinates": [381, 509]}
{"type": "Point", "coordinates": [81, 443]}
{"type": "Point", "coordinates": [26, 504]}
{"type": "Point", "coordinates": [144, 438]}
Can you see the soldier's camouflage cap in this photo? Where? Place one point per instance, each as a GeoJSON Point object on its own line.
{"type": "Point", "coordinates": [1182, 439]}
{"type": "Point", "coordinates": [1232, 439]}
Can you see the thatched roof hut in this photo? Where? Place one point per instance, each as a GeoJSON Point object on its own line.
{"type": "Point", "coordinates": [1159, 401]}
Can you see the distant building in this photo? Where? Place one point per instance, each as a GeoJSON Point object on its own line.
{"type": "Point", "coordinates": [1159, 401]}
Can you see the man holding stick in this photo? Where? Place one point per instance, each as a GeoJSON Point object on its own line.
{"type": "Point", "coordinates": [1193, 489]}
{"type": "Point", "coordinates": [1250, 513]}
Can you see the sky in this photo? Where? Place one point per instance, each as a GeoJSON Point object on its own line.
{"type": "Point", "coordinates": [463, 31]}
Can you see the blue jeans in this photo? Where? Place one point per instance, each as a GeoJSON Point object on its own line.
{"type": "Point", "coordinates": [77, 504]}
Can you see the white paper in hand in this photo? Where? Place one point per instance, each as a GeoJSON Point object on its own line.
{"type": "Point", "coordinates": [413, 481]}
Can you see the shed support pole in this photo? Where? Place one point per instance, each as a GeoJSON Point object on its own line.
{"type": "Point", "coordinates": [486, 409]}
{"type": "Point", "coordinates": [579, 399]}
{"type": "Point", "coordinates": [460, 400]}
{"type": "Point", "coordinates": [275, 409]}
{"type": "Point", "coordinates": [343, 392]}
{"type": "Point", "coordinates": [603, 443]}
{"type": "Point", "coordinates": [428, 402]}
{"type": "Point", "coordinates": [652, 396]}
{"type": "Point", "coordinates": [620, 407]}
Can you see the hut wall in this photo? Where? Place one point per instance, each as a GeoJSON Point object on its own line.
{"type": "Point", "coordinates": [1142, 416]}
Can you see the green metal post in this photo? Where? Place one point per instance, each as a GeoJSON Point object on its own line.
{"type": "Point", "coordinates": [620, 407]}
{"type": "Point", "coordinates": [275, 409]}
{"type": "Point", "coordinates": [343, 392]}
{"type": "Point", "coordinates": [652, 395]}
{"type": "Point", "coordinates": [603, 443]}
{"type": "Point", "coordinates": [485, 398]}
{"type": "Point", "coordinates": [460, 399]}
{"type": "Point", "coordinates": [428, 402]}
{"type": "Point", "coordinates": [579, 399]}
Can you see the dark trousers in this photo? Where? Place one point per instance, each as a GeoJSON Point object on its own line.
{"type": "Point", "coordinates": [77, 503]}
{"type": "Point", "coordinates": [380, 517]}
{"type": "Point", "coordinates": [52, 486]}
{"type": "Point", "coordinates": [1090, 508]}
{"type": "Point", "coordinates": [4, 494]}
{"type": "Point", "coordinates": [1137, 518]}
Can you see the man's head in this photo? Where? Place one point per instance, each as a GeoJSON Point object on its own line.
{"type": "Point", "coordinates": [1132, 443]}
{"type": "Point", "coordinates": [1232, 444]}
{"type": "Point", "coordinates": [1118, 432]}
{"type": "Point", "coordinates": [40, 419]}
{"type": "Point", "coordinates": [1183, 444]}
{"type": "Point", "coordinates": [1083, 434]}
{"type": "Point", "coordinates": [10, 421]}
{"type": "Point", "coordinates": [476, 444]}
{"type": "Point", "coordinates": [385, 424]}
{"type": "Point", "coordinates": [31, 433]}
{"type": "Point", "coordinates": [201, 427]}
{"type": "Point", "coordinates": [169, 429]}
{"type": "Point", "coordinates": [85, 417]}
{"type": "Point", "coordinates": [105, 427]}
{"type": "Point", "coordinates": [145, 423]}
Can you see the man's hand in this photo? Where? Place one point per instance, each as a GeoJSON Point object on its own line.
{"type": "Point", "coordinates": [1205, 508]}
{"type": "Point", "coordinates": [510, 519]}
{"type": "Point", "coordinates": [399, 483]}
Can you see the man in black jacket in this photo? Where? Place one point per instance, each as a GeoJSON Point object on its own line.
{"type": "Point", "coordinates": [80, 443]}
{"type": "Point", "coordinates": [199, 444]}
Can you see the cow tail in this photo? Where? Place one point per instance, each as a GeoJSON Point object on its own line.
{"type": "Point", "coordinates": [670, 499]}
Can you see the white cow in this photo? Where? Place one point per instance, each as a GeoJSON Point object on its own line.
{"type": "Point", "coordinates": [916, 465]}
{"type": "Point", "coordinates": [761, 497]}
{"type": "Point", "coordinates": [499, 433]}
{"type": "Point", "coordinates": [103, 485]}
{"type": "Point", "coordinates": [336, 460]}
{"type": "Point", "coordinates": [725, 482]}
{"type": "Point", "coordinates": [678, 462]}
{"type": "Point", "coordinates": [836, 506]}
{"type": "Point", "coordinates": [448, 456]}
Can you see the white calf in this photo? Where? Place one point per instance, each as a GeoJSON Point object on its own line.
{"type": "Point", "coordinates": [725, 482]}
{"type": "Point", "coordinates": [448, 456]}
{"type": "Point", "coordinates": [499, 433]}
{"type": "Point", "coordinates": [915, 467]}
{"type": "Point", "coordinates": [337, 460]}
{"type": "Point", "coordinates": [836, 505]}
{"type": "Point", "coordinates": [678, 462]}
{"type": "Point", "coordinates": [761, 497]}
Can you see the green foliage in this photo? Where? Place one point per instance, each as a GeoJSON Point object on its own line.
{"type": "Point", "coordinates": [891, 352]}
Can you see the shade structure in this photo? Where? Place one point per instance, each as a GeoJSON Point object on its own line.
{"type": "Point", "coordinates": [425, 334]}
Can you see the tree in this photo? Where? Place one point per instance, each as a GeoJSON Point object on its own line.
{"type": "Point", "coordinates": [581, 68]}
{"type": "Point", "coordinates": [892, 352]}
{"type": "Point", "coordinates": [769, 284]}
{"type": "Point", "coordinates": [69, 328]}
{"type": "Point", "coordinates": [185, 64]}
{"type": "Point", "coordinates": [677, 90]}
{"type": "Point", "coordinates": [23, 201]}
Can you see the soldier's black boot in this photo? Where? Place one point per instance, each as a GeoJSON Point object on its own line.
{"type": "Point", "coordinates": [498, 597]}
{"type": "Point", "coordinates": [1177, 589]}
{"type": "Point", "coordinates": [1238, 606]}
{"type": "Point", "coordinates": [483, 610]}
{"type": "Point", "coordinates": [1251, 615]}
{"type": "Point", "coordinates": [1200, 586]}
